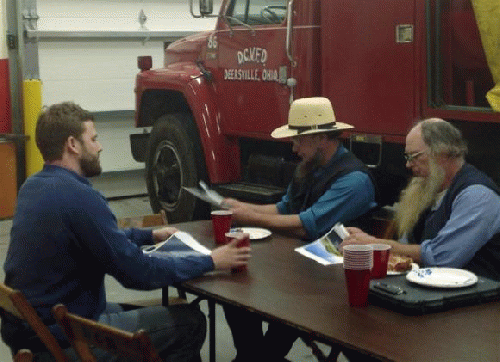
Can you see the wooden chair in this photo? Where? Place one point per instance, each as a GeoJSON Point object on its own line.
{"type": "Point", "coordinates": [84, 333]}
{"type": "Point", "coordinates": [15, 303]}
{"type": "Point", "coordinates": [144, 221]}
{"type": "Point", "coordinates": [23, 355]}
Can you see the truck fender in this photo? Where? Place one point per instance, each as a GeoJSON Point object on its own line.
{"type": "Point", "coordinates": [222, 153]}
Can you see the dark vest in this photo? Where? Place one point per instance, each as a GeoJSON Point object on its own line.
{"type": "Point", "coordinates": [304, 193]}
{"type": "Point", "coordinates": [486, 261]}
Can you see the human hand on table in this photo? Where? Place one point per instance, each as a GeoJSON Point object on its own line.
{"type": "Point", "coordinates": [230, 256]}
{"type": "Point", "coordinates": [231, 203]}
{"type": "Point", "coordinates": [163, 233]}
{"type": "Point", "coordinates": [242, 211]}
{"type": "Point", "coordinates": [357, 236]}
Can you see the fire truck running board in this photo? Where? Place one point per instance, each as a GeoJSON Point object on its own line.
{"type": "Point", "coordinates": [261, 194]}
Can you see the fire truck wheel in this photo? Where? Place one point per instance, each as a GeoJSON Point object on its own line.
{"type": "Point", "coordinates": [170, 165]}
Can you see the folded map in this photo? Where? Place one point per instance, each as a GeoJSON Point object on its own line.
{"type": "Point", "coordinates": [325, 249]}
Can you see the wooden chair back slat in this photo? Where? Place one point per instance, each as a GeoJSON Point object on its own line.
{"type": "Point", "coordinates": [23, 355]}
{"type": "Point", "coordinates": [85, 333]}
{"type": "Point", "coordinates": [15, 303]}
{"type": "Point", "coordinates": [144, 221]}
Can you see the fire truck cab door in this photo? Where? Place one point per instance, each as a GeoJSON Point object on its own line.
{"type": "Point", "coordinates": [252, 67]}
{"type": "Point", "coordinates": [368, 63]}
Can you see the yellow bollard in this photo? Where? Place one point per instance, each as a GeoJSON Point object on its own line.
{"type": "Point", "coordinates": [32, 107]}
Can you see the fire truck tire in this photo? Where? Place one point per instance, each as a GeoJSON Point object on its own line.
{"type": "Point", "coordinates": [170, 165]}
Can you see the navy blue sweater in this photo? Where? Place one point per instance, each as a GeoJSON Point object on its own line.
{"type": "Point", "coordinates": [64, 239]}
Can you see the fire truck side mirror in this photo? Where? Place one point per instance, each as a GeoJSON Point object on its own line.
{"type": "Point", "coordinates": [206, 7]}
{"type": "Point", "coordinates": [145, 62]}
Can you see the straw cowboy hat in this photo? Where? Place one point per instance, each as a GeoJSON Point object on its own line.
{"type": "Point", "coordinates": [309, 116]}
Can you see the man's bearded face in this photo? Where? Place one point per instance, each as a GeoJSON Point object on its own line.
{"type": "Point", "coordinates": [90, 163]}
{"type": "Point", "coordinates": [307, 166]}
{"type": "Point", "coordinates": [420, 194]}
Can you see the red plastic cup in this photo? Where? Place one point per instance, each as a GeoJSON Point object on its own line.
{"type": "Point", "coordinates": [380, 260]}
{"type": "Point", "coordinates": [358, 283]}
{"type": "Point", "coordinates": [358, 264]}
{"type": "Point", "coordinates": [221, 221]}
{"type": "Point", "coordinates": [243, 240]}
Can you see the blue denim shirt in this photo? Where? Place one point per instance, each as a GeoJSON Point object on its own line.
{"type": "Point", "coordinates": [474, 219]}
{"type": "Point", "coordinates": [348, 198]}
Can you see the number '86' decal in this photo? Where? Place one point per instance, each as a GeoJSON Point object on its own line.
{"type": "Point", "coordinates": [212, 42]}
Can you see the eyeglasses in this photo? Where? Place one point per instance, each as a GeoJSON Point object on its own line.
{"type": "Point", "coordinates": [410, 157]}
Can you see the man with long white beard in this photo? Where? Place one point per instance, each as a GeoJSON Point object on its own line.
{"type": "Point", "coordinates": [449, 214]}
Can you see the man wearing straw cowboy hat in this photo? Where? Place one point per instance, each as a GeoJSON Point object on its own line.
{"type": "Point", "coordinates": [330, 185]}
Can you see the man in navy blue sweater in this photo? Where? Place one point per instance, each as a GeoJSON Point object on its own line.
{"type": "Point", "coordinates": [64, 239]}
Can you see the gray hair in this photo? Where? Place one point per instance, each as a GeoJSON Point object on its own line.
{"type": "Point", "coordinates": [443, 138]}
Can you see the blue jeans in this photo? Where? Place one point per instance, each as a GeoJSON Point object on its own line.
{"type": "Point", "coordinates": [177, 332]}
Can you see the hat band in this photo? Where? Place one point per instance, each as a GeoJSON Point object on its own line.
{"type": "Point", "coordinates": [301, 129]}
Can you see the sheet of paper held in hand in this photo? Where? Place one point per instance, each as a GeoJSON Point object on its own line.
{"type": "Point", "coordinates": [325, 249]}
{"type": "Point", "coordinates": [207, 195]}
{"type": "Point", "coordinates": [178, 244]}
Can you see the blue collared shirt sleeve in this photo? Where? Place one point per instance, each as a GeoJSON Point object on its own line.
{"type": "Point", "coordinates": [474, 219]}
{"type": "Point", "coordinates": [119, 252]}
{"type": "Point", "coordinates": [348, 198]}
{"type": "Point", "coordinates": [139, 237]}
{"type": "Point", "coordinates": [282, 205]}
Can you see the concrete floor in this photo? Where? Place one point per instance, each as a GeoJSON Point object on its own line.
{"type": "Point", "coordinates": [130, 184]}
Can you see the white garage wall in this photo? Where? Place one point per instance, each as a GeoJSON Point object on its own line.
{"type": "Point", "coordinates": [118, 15]}
{"type": "Point", "coordinates": [99, 74]}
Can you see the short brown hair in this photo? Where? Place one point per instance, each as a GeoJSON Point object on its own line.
{"type": "Point", "coordinates": [56, 124]}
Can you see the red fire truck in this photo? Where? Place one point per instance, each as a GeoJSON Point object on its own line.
{"type": "Point", "coordinates": [383, 63]}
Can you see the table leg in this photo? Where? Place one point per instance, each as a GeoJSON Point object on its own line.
{"type": "Point", "coordinates": [211, 321]}
{"type": "Point", "coordinates": [164, 297]}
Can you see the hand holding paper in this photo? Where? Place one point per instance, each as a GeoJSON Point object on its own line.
{"type": "Point", "coordinates": [325, 249]}
{"type": "Point", "coordinates": [207, 195]}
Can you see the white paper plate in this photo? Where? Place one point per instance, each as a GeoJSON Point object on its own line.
{"type": "Point", "coordinates": [414, 266]}
{"type": "Point", "coordinates": [442, 277]}
{"type": "Point", "coordinates": [255, 233]}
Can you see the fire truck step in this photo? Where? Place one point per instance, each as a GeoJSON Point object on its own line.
{"type": "Point", "coordinates": [262, 194]}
